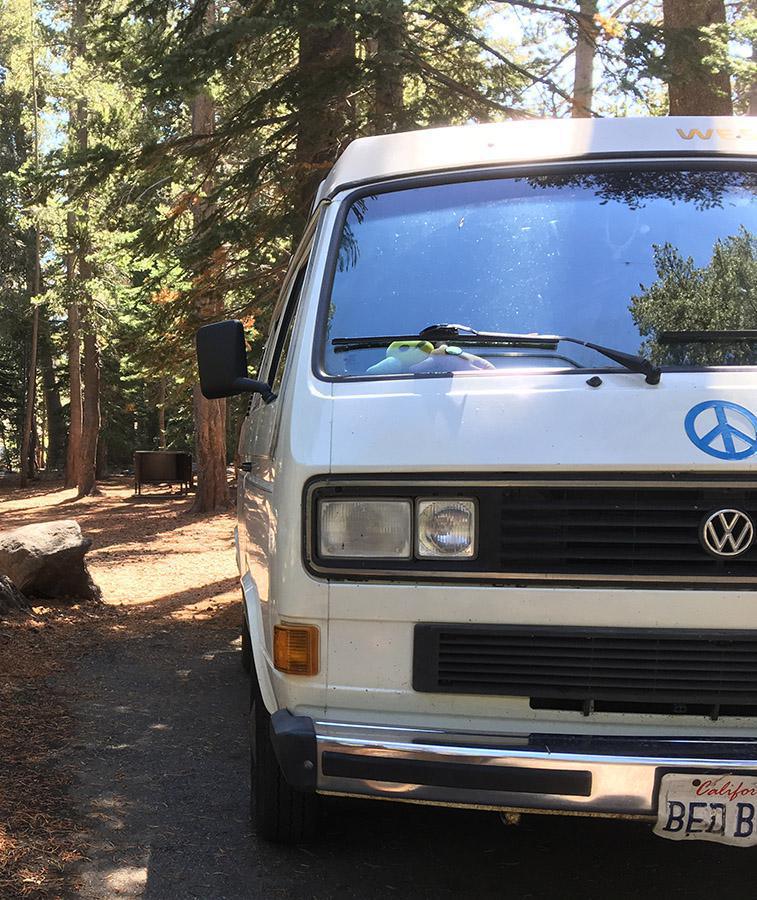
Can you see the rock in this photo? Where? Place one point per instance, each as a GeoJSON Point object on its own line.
{"type": "Point", "coordinates": [10, 596]}
{"type": "Point", "coordinates": [47, 560]}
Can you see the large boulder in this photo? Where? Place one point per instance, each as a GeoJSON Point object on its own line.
{"type": "Point", "coordinates": [47, 561]}
{"type": "Point", "coordinates": [10, 596]}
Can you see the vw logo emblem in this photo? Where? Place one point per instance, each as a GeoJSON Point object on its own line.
{"type": "Point", "coordinates": [727, 532]}
{"type": "Point", "coordinates": [722, 429]}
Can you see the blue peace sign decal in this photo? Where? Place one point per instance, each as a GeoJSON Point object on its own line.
{"type": "Point", "coordinates": [722, 429]}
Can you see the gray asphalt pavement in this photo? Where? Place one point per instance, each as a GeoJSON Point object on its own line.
{"type": "Point", "coordinates": [163, 787]}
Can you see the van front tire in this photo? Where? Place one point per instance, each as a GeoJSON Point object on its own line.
{"type": "Point", "coordinates": [279, 813]}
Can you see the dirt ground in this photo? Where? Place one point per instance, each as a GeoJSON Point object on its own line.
{"type": "Point", "coordinates": [124, 767]}
{"type": "Point", "coordinates": [159, 567]}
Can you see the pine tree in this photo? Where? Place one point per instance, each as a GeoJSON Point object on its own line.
{"type": "Point", "coordinates": [694, 86]}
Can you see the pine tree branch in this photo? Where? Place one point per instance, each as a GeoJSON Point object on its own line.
{"type": "Point", "coordinates": [479, 42]}
{"type": "Point", "coordinates": [465, 91]}
{"type": "Point", "coordinates": [571, 14]}
{"type": "Point", "coordinates": [619, 9]}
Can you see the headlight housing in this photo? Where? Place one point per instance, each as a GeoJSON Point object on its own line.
{"type": "Point", "coordinates": [445, 528]}
{"type": "Point", "coordinates": [367, 529]}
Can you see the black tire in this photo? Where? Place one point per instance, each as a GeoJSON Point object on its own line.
{"type": "Point", "coordinates": [246, 648]}
{"type": "Point", "coordinates": [279, 814]}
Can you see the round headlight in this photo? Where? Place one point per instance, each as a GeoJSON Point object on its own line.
{"type": "Point", "coordinates": [446, 528]}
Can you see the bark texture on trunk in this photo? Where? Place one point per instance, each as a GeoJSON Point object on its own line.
{"type": "Point", "coordinates": [27, 467]}
{"type": "Point", "coordinates": [387, 114]}
{"type": "Point", "coordinates": [73, 448]}
{"type": "Point", "coordinates": [326, 69]}
{"type": "Point", "coordinates": [56, 426]}
{"type": "Point", "coordinates": [86, 465]}
{"type": "Point", "coordinates": [77, 124]}
{"type": "Point", "coordinates": [209, 415]}
{"type": "Point", "coordinates": [28, 443]}
{"type": "Point", "coordinates": [210, 445]}
{"type": "Point", "coordinates": [586, 48]}
{"type": "Point", "coordinates": [693, 88]}
{"type": "Point", "coordinates": [87, 475]}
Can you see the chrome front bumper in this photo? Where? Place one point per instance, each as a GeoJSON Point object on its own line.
{"type": "Point", "coordinates": [613, 776]}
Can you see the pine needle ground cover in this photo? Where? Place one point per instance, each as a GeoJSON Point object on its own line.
{"type": "Point", "coordinates": [157, 565]}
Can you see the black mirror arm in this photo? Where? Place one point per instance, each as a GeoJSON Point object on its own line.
{"type": "Point", "coordinates": [252, 386]}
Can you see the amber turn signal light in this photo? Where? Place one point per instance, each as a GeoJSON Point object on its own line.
{"type": "Point", "coordinates": [295, 649]}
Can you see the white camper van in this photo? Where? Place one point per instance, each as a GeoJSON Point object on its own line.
{"type": "Point", "coordinates": [497, 516]}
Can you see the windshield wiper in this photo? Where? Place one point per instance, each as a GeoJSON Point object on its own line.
{"type": "Point", "coordinates": [709, 337]}
{"type": "Point", "coordinates": [463, 334]}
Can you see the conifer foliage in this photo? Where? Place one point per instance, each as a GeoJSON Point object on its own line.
{"type": "Point", "coordinates": [179, 148]}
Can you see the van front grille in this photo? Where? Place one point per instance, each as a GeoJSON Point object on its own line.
{"type": "Point", "coordinates": [618, 530]}
{"type": "Point", "coordinates": [648, 670]}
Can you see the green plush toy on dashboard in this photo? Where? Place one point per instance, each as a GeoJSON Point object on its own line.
{"type": "Point", "coordinates": [400, 356]}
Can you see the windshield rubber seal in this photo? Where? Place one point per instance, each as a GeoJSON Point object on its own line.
{"type": "Point", "coordinates": [607, 163]}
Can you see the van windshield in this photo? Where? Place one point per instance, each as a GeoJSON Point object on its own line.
{"type": "Point", "coordinates": [619, 258]}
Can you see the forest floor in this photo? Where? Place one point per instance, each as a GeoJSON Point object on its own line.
{"type": "Point", "coordinates": [159, 568]}
{"type": "Point", "coordinates": [124, 768]}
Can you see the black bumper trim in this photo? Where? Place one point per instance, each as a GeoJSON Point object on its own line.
{"type": "Point", "coordinates": [296, 750]}
{"type": "Point", "coordinates": [508, 779]}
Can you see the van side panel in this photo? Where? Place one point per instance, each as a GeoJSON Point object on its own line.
{"type": "Point", "coordinates": [287, 442]}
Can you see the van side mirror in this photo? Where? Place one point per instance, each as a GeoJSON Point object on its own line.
{"type": "Point", "coordinates": [222, 361]}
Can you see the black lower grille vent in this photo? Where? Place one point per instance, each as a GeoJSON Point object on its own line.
{"type": "Point", "coordinates": [593, 669]}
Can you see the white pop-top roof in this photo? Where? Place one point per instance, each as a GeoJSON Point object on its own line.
{"type": "Point", "coordinates": [538, 140]}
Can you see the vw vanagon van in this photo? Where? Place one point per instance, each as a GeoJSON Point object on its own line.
{"type": "Point", "coordinates": [497, 516]}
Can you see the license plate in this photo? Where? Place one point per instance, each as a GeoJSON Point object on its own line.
{"type": "Point", "coordinates": [719, 808]}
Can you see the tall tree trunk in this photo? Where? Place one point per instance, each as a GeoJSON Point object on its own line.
{"type": "Point", "coordinates": [693, 88]}
{"type": "Point", "coordinates": [209, 415]}
{"type": "Point", "coordinates": [42, 441]}
{"type": "Point", "coordinates": [56, 428]}
{"type": "Point", "coordinates": [87, 475]}
{"type": "Point", "coordinates": [326, 68]}
{"type": "Point", "coordinates": [73, 449]}
{"type": "Point", "coordinates": [586, 48]}
{"type": "Point", "coordinates": [77, 125]}
{"type": "Point", "coordinates": [27, 467]}
{"type": "Point", "coordinates": [86, 465]}
{"type": "Point", "coordinates": [387, 114]}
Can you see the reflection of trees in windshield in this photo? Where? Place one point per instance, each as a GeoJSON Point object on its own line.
{"type": "Point", "coordinates": [704, 189]}
{"type": "Point", "coordinates": [349, 250]}
{"type": "Point", "coordinates": [721, 296]}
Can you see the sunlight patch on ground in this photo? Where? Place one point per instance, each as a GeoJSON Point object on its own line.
{"type": "Point", "coordinates": [127, 881]}
{"type": "Point", "coordinates": [145, 550]}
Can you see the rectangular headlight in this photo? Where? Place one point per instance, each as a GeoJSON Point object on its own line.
{"type": "Point", "coordinates": [446, 528]}
{"type": "Point", "coordinates": [371, 529]}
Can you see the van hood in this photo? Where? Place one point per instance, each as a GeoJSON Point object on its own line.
{"type": "Point", "coordinates": [702, 421]}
